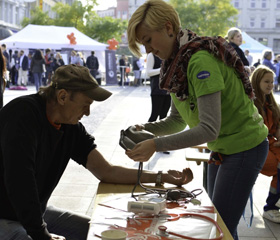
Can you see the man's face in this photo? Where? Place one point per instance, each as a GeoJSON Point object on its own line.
{"type": "Point", "coordinates": [75, 108]}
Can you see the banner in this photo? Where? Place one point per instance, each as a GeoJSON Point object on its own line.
{"type": "Point", "coordinates": [111, 68]}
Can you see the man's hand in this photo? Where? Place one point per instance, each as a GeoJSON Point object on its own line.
{"type": "Point", "coordinates": [142, 151]}
{"type": "Point", "coordinates": [57, 237]}
{"type": "Point", "coordinates": [178, 178]}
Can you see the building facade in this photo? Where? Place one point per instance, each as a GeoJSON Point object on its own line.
{"type": "Point", "coordinates": [261, 20]}
{"type": "Point", "coordinates": [12, 12]}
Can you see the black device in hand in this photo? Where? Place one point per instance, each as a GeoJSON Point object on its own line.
{"type": "Point", "coordinates": [130, 137]}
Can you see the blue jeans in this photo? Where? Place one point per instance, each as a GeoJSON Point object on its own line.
{"type": "Point", "coordinates": [230, 184]}
{"type": "Point", "coordinates": [37, 80]}
{"type": "Point", "coordinates": [69, 225]}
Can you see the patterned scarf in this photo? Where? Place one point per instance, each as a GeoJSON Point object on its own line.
{"type": "Point", "coordinates": [173, 74]}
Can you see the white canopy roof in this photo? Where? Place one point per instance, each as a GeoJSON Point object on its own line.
{"type": "Point", "coordinates": [53, 37]}
{"type": "Point", "coordinates": [252, 45]}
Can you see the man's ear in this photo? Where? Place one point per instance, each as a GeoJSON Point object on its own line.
{"type": "Point", "coordinates": [62, 96]}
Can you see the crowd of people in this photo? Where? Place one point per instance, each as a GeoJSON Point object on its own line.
{"type": "Point", "coordinates": [227, 103]}
{"type": "Point", "coordinates": [37, 67]}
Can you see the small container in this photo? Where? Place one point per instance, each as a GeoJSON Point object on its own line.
{"type": "Point", "coordinates": [113, 234]}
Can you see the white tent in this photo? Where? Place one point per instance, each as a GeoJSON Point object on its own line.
{"type": "Point", "coordinates": [252, 45]}
{"type": "Point", "coordinates": [256, 49]}
{"type": "Point", "coordinates": [53, 37]}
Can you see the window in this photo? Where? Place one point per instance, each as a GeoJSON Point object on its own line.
{"type": "Point", "coordinates": [262, 22]}
{"type": "Point", "coordinates": [263, 41]}
{"type": "Point", "coordinates": [11, 14]}
{"type": "Point", "coordinates": [124, 15]}
{"type": "Point", "coordinates": [17, 16]}
{"type": "Point", "coordinates": [277, 4]}
{"type": "Point", "coordinates": [263, 3]}
{"type": "Point", "coordinates": [252, 22]}
{"type": "Point", "coordinates": [253, 3]}
{"type": "Point", "coordinates": [276, 43]}
{"type": "Point", "coordinates": [277, 23]}
{"type": "Point", "coordinates": [5, 12]}
{"type": "Point", "coordinates": [236, 3]}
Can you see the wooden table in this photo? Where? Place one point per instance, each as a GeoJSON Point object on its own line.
{"type": "Point", "coordinates": [106, 191]}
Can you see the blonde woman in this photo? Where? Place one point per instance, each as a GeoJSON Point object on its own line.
{"type": "Point", "coordinates": [213, 96]}
{"type": "Point", "coordinates": [58, 61]}
{"type": "Point", "coordinates": [234, 36]}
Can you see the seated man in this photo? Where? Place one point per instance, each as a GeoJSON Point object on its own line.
{"type": "Point", "coordinates": [46, 129]}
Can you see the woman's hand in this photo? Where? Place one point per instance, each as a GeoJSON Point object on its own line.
{"type": "Point", "coordinates": [178, 178]}
{"type": "Point", "coordinates": [142, 151]}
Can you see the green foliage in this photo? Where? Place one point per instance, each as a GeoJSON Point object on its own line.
{"type": "Point", "coordinates": [82, 17]}
{"type": "Point", "coordinates": [206, 17]}
{"type": "Point", "coordinates": [69, 16]}
{"type": "Point", "coordinates": [104, 28]}
{"type": "Point", "coordinates": [38, 17]}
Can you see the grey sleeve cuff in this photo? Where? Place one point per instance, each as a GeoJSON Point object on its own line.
{"type": "Point", "coordinates": [173, 123]}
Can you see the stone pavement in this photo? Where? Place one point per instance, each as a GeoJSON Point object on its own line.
{"type": "Point", "coordinates": [129, 105]}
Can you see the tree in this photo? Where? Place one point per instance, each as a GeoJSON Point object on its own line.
{"type": "Point", "coordinates": [70, 16]}
{"type": "Point", "coordinates": [38, 17]}
{"type": "Point", "coordinates": [206, 17]}
{"type": "Point", "coordinates": [82, 17]}
{"type": "Point", "coordinates": [104, 28]}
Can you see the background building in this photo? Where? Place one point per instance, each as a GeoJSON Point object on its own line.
{"type": "Point", "coordinates": [13, 11]}
{"type": "Point", "coordinates": [261, 20]}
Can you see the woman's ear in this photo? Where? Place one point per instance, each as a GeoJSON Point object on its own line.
{"type": "Point", "coordinates": [169, 29]}
{"type": "Point", "coordinates": [62, 97]}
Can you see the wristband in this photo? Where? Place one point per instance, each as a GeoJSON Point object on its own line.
{"type": "Point", "coordinates": [159, 179]}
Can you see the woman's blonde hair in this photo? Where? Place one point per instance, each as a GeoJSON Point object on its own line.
{"type": "Point", "coordinates": [58, 55]}
{"type": "Point", "coordinates": [154, 14]}
{"type": "Point", "coordinates": [260, 100]}
{"type": "Point", "coordinates": [231, 33]}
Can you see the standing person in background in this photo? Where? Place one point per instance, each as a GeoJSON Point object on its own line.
{"type": "Point", "coordinates": [81, 60]}
{"type": "Point", "coordinates": [14, 67]}
{"type": "Point", "coordinates": [122, 69]}
{"type": "Point", "coordinates": [7, 61]}
{"type": "Point", "coordinates": [7, 56]}
{"type": "Point", "coordinates": [92, 64]}
{"type": "Point", "coordinates": [48, 62]}
{"type": "Point", "coordinates": [234, 36]}
{"type": "Point", "coordinates": [58, 61]}
{"type": "Point", "coordinates": [256, 64]}
{"type": "Point", "coordinates": [213, 95]}
{"type": "Point", "coordinates": [161, 99]}
{"type": "Point", "coordinates": [137, 69]}
{"type": "Point", "coordinates": [262, 81]}
{"type": "Point", "coordinates": [37, 68]}
{"type": "Point", "coordinates": [267, 57]}
{"type": "Point", "coordinates": [277, 73]}
{"type": "Point", "coordinates": [30, 75]}
{"type": "Point", "coordinates": [23, 69]}
{"type": "Point", "coordinates": [249, 57]}
{"type": "Point", "coordinates": [2, 76]}
{"type": "Point", "coordinates": [73, 57]}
